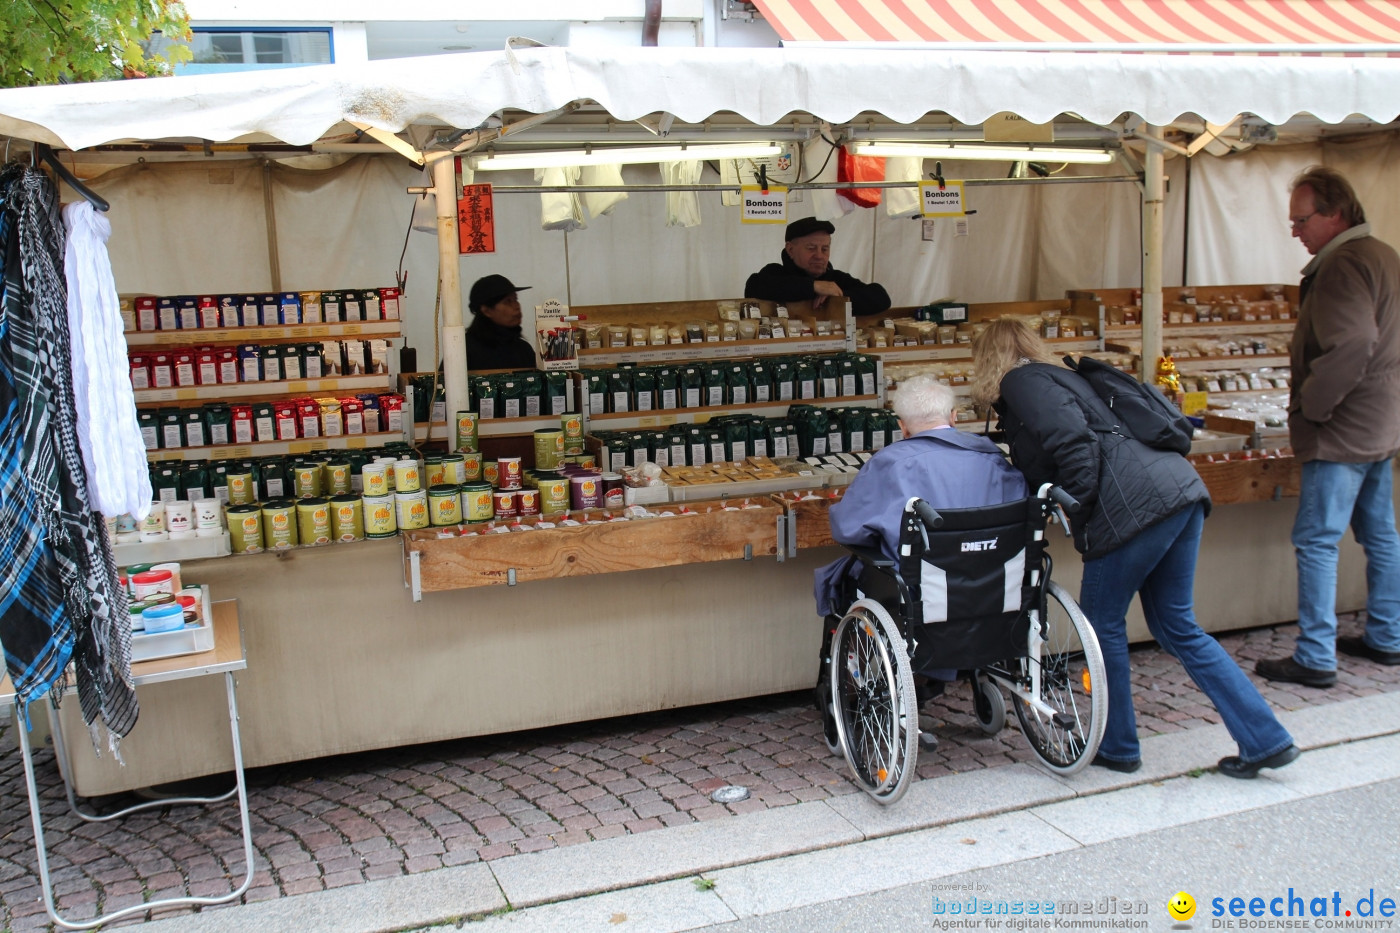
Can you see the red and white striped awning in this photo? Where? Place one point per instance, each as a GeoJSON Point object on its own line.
{"type": "Point", "coordinates": [1261, 26]}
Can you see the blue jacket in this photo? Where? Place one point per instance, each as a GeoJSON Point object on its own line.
{"type": "Point", "coordinates": [946, 467]}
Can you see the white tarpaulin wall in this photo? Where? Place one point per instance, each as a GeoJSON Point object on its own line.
{"type": "Point", "coordinates": [191, 228]}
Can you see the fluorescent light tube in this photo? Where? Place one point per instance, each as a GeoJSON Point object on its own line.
{"type": "Point", "coordinates": [984, 153]}
{"type": "Point", "coordinates": [501, 161]}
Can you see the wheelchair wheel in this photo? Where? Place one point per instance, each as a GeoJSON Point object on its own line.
{"type": "Point", "coordinates": [1072, 684]}
{"type": "Point", "coordinates": [988, 704]}
{"type": "Point", "coordinates": [877, 718]}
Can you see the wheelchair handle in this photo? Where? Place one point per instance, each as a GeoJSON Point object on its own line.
{"type": "Point", "coordinates": [930, 516]}
{"type": "Point", "coordinates": [1063, 499]}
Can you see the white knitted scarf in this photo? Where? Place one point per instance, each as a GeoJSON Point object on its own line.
{"type": "Point", "coordinates": [110, 439]}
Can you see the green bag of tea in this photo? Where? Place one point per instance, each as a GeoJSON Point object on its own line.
{"type": "Point", "coordinates": [595, 390]}
{"type": "Point", "coordinates": [510, 395]}
{"type": "Point", "coordinates": [855, 423]}
{"type": "Point", "coordinates": [273, 476]}
{"type": "Point", "coordinates": [804, 381]}
{"type": "Point", "coordinates": [659, 448]}
{"type": "Point", "coordinates": [556, 392]}
{"type": "Point", "coordinates": [760, 383]}
{"type": "Point", "coordinates": [484, 398]}
{"type": "Point", "coordinates": [736, 439]}
{"type": "Point", "coordinates": [619, 389]}
{"type": "Point", "coordinates": [676, 441]}
{"type": "Point", "coordinates": [638, 449]}
{"type": "Point", "coordinates": [828, 377]}
{"type": "Point", "coordinates": [194, 480]}
{"type": "Point", "coordinates": [715, 448]}
{"type": "Point", "coordinates": [784, 381]}
{"type": "Point", "coordinates": [532, 394]}
{"type": "Point", "coordinates": [848, 383]}
{"type": "Point", "coordinates": [736, 379]}
{"type": "Point", "coordinates": [165, 480]}
{"type": "Point", "coordinates": [691, 386]}
{"type": "Point", "coordinates": [715, 384]}
{"type": "Point", "coordinates": [866, 372]}
{"type": "Point", "coordinates": [667, 388]}
{"type": "Point", "coordinates": [813, 429]}
{"type": "Point", "coordinates": [884, 429]}
{"type": "Point", "coordinates": [218, 423]}
{"type": "Point", "coordinates": [644, 389]}
{"type": "Point", "coordinates": [697, 452]}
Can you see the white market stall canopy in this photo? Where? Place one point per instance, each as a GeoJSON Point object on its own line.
{"type": "Point", "coordinates": [764, 87]}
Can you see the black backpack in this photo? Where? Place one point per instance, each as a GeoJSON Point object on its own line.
{"type": "Point", "coordinates": [1139, 411]}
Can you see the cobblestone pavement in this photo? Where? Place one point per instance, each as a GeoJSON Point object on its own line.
{"type": "Point", "coordinates": [357, 818]}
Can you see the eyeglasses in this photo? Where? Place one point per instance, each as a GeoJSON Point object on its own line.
{"type": "Point", "coordinates": [1296, 222]}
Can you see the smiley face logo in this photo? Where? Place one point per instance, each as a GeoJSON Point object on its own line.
{"type": "Point", "coordinates": [1181, 906]}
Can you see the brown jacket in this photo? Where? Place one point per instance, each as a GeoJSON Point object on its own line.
{"type": "Point", "coordinates": [1345, 402]}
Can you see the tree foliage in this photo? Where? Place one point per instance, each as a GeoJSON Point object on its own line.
{"type": "Point", "coordinates": [56, 41]}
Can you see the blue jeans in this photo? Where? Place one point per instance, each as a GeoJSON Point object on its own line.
{"type": "Point", "coordinates": [1160, 566]}
{"type": "Point", "coordinates": [1332, 496]}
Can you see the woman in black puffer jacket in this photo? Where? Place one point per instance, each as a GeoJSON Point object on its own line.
{"type": "Point", "coordinates": [1138, 529]}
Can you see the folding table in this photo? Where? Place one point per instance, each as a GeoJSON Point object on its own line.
{"type": "Point", "coordinates": [226, 657]}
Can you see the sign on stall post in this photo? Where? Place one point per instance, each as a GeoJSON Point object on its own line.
{"type": "Point", "coordinates": [941, 199]}
{"type": "Point", "coordinates": [476, 221]}
{"type": "Point", "coordinates": [557, 336]}
{"type": "Point", "coordinates": [764, 205]}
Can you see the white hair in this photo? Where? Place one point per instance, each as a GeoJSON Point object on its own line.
{"type": "Point", "coordinates": [922, 402]}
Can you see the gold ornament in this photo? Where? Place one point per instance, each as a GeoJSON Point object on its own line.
{"type": "Point", "coordinates": [1167, 376]}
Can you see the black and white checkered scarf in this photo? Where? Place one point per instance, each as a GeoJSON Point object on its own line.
{"type": "Point", "coordinates": [53, 473]}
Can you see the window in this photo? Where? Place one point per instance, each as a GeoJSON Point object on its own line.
{"type": "Point", "coordinates": [242, 49]}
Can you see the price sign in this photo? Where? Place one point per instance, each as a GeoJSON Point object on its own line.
{"type": "Point", "coordinates": [945, 200]}
{"type": "Point", "coordinates": [764, 207]}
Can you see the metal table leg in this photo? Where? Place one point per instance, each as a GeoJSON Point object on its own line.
{"type": "Point", "coordinates": [41, 848]}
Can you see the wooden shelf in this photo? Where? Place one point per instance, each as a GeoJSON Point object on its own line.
{"type": "Point", "coordinates": [157, 552]}
{"type": "Point", "coordinates": [491, 427]}
{"type": "Point", "coordinates": [302, 445]}
{"type": "Point", "coordinates": [280, 334]}
{"type": "Point", "coordinates": [625, 421]}
{"type": "Point", "coordinates": [258, 391]}
{"type": "Point", "coordinates": [721, 350]}
{"type": "Point", "coordinates": [1206, 328]}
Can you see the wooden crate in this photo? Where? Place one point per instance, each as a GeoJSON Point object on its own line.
{"type": "Point", "coordinates": [811, 519]}
{"type": "Point", "coordinates": [1253, 480]}
{"type": "Point", "coordinates": [712, 534]}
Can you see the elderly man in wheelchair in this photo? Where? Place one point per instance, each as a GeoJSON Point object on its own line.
{"type": "Point", "coordinates": [948, 573]}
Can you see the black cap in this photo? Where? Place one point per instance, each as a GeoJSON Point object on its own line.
{"type": "Point", "coordinates": [490, 289]}
{"type": "Point", "coordinates": [801, 228]}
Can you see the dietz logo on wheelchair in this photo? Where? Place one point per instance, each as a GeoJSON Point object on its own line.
{"type": "Point", "coordinates": [988, 545]}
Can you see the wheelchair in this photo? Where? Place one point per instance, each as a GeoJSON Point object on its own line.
{"type": "Point", "coordinates": [971, 590]}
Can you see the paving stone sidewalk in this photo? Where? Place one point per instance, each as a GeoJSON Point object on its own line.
{"type": "Point", "coordinates": [357, 818]}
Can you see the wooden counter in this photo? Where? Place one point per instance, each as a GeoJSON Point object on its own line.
{"type": "Point", "coordinates": [341, 660]}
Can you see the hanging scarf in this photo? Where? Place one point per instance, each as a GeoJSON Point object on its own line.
{"type": "Point", "coordinates": [113, 452]}
{"type": "Point", "coordinates": [96, 604]}
{"type": "Point", "coordinates": [34, 626]}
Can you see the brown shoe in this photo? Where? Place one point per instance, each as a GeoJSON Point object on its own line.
{"type": "Point", "coordinates": [1357, 648]}
{"type": "Point", "coordinates": [1290, 671]}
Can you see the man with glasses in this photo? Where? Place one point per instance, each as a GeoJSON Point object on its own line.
{"type": "Point", "coordinates": [1344, 424]}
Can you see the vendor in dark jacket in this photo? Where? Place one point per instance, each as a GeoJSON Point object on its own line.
{"type": "Point", "coordinates": [493, 338]}
{"type": "Point", "coordinates": [1139, 530]}
{"type": "Point", "coordinates": [805, 274]}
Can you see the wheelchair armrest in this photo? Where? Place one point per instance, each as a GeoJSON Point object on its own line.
{"type": "Point", "coordinates": [870, 557]}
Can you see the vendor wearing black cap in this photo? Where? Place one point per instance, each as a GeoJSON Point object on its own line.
{"type": "Point", "coordinates": [805, 273]}
{"type": "Point", "coordinates": [493, 338]}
